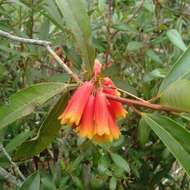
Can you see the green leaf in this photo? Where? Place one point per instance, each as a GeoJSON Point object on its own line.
{"type": "Point", "coordinates": [155, 74]}
{"type": "Point", "coordinates": [77, 181]}
{"type": "Point", "coordinates": [26, 100]}
{"type": "Point", "coordinates": [18, 140]}
{"type": "Point", "coordinates": [121, 27]}
{"type": "Point", "coordinates": [32, 182]}
{"type": "Point", "coordinates": [180, 70]}
{"type": "Point", "coordinates": [177, 95]}
{"type": "Point", "coordinates": [46, 134]}
{"type": "Point", "coordinates": [173, 135]}
{"type": "Point", "coordinates": [52, 12]}
{"type": "Point", "coordinates": [47, 184]}
{"type": "Point", "coordinates": [152, 55]}
{"type": "Point", "coordinates": [120, 162]}
{"type": "Point", "coordinates": [102, 5]}
{"type": "Point", "coordinates": [149, 6]}
{"type": "Point", "coordinates": [132, 46]}
{"type": "Point", "coordinates": [143, 132]}
{"type": "Point", "coordinates": [77, 20]}
{"type": "Point", "coordinates": [112, 183]}
{"type": "Point", "coordinates": [175, 37]}
{"type": "Point", "coordinates": [3, 71]}
{"type": "Point", "coordinates": [185, 116]}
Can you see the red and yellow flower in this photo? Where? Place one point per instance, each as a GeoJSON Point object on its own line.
{"type": "Point", "coordinates": [91, 113]}
{"type": "Point", "coordinates": [77, 104]}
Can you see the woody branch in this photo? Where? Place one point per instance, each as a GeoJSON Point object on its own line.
{"type": "Point", "coordinates": [46, 44]}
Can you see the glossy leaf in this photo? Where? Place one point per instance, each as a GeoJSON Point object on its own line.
{"type": "Point", "coordinates": [76, 18]}
{"type": "Point", "coordinates": [175, 37]}
{"type": "Point", "coordinates": [185, 116]}
{"type": "Point", "coordinates": [134, 45]}
{"type": "Point", "coordinates": [52, 12]}
{"type": "Point", "coordinates": [173, 135]}
{"type": "Point", "coordinates": [180, 70]}
{"type": "Point", "coordinates": [143, 132]}
{"type": "Point", "coordinates": [177, 95]}
{"type": "Point", "coordinates": [113, 183]}
{"type": "Point", "coordinates": [18, 140]}
{"type": "Point", "coordinates": [153, 56]}
{"type": "Point", "coordinates": [120, 162]}
{"type": "Point", "coordinates": [46, 134]}
{"type": "Point", "coordinates": [26, 100]}
{"type": "Point", "coordinates": [32, 182]}
{"type": "Point", "coordinates": [155, 74]}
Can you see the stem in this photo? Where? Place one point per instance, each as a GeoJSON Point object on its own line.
{"type": "Point", "coordinates": [9, 177]}
{"type": "Point", "coordinates": [132, 102]}
{"type": "Point", "coordinates": [31, 20]}
{"type": "Point", "coordinates": [11, 161]}
{"type": "Point", "coordinates": [65, 67]}
{"type": "Point", "coordinates": [129, 94]}
{"type": "Point", "coordinates": [24, 40]}
{"type": "Point", "coordinates": [45, 44]}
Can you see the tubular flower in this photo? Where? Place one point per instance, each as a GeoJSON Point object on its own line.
{"type": "Point", "coordinates": [101, 114]}
{"type": "Point", "coordinates": [114, 131]}
{"type": "Point", "coordinates": [86, 126]}
{"type": "Point", "coordinates": [91, 113]}
{"type": "Point", "coordinates": [76, 105]}
{"type": "Point", "coordinates": [97, 67]}
{"type": "Point", "coordinates": [116, 107]}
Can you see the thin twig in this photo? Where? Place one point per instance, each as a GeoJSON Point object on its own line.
{"type": "Point", "coordinates": [45, 44]}
{"type": "Point", "coordinates": [131, 102]}
{"type": "Point", "coordinates": [24, 40]}
{"type": "Point", "coordinates": [11, 161]}
{"type": "Point", "coordinates": [65, 67]}
{"type": "Point", "coordinates": [132, 95]}
{"type": "Point", "coordinates": [9, 177]}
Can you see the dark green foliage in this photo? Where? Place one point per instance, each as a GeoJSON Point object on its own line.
{"type": "Point", "coordinates": [143, 46]}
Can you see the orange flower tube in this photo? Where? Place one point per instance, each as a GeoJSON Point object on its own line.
{"type": "Point", "coordinates": [116, 107]}
{"type": "Point", "coordinates": [86, 126]}
{"type": "Point", "coordinates": [101, 114]}
{"type": "Point", "coordinates": [97, 67]}
{"type": "Point", "coordinates": [114, 131]}
{"type": "Point", "coordinates": [76, 105]}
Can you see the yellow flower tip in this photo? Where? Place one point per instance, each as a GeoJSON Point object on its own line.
{"type": "Point", "coordinates": [103, 138]}
{"type": "Point", "coordinates": [118, 93]}
{"type": "Point", "coordinates": [124, 114]}
{"type": "Point", "coordinates": [63, 121]}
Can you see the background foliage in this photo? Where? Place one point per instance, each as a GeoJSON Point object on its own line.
{"type": "Point", "coordinates": [138, 42]}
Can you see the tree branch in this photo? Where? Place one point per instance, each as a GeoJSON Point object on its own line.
{"type": "Point", "coordinates": [10, 178]}
{"type": "Point", "coordinates": [45, 44]}
{"type": "Point", "coordinates": [11, 161]}
{"type": "Point", "coordinates": [132, 102]}
{"type": "Point", "coordinates": [24, 40]}
{"type": "Point", "coordinates": [65, 67]}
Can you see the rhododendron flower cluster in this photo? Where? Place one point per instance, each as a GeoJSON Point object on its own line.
{"type": "Point", "coordinates": [90, 112]}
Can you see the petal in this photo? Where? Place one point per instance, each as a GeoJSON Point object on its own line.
{"type": "Point", "coordinates": [117, 108]}
{"type": "Point", "coordinates": [76, 105]}
{"type": "Point", "coordinates": [97, 67]}
{"type": "Point", "coordinates": [115, 132]}
{"type": "Point", "coordinates": [103, 138]}
{"type": "Point", "coordinates": [86, 126]}
{"type": "Point", "coordinates": [101, 114]}
{"type": "Point", "coordinates": [109, 87]}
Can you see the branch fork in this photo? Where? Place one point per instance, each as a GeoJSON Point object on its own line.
{"type": "Point", "coordinates": [130, 102]}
